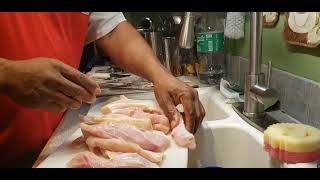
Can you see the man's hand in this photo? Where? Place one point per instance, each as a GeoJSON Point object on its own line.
{"type": "Point", "coordinates": [47, 84]}
{"type": "Point", "coordinates": [171, 92]}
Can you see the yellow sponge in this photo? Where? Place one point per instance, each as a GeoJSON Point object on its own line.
{"type": "Point", "coordinates": [293, 142]}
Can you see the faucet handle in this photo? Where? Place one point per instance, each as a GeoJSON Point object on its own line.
{"type": "Point", "coordinates": [268, 84]}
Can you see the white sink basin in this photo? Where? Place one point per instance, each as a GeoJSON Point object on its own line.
{"type": "Point", "coordinates": [225, 140]}
{"type": "Point", "coordinates": [228, 146]}
{"type": "Point", "coordinates": [213, 110]}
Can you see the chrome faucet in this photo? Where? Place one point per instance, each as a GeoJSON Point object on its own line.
{"type": "Point", "coordinates": [258, 96]}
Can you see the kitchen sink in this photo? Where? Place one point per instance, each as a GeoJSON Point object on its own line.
{"type": "Point", "coordinates": [229, 146]}
{"type": "Point", "coordinates": [207, 97]}
{"type": "Point", "coordinates": [224, 139]}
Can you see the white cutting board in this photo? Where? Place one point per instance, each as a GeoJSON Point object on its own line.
{"type": "Point", "coordinates": [175, 156]}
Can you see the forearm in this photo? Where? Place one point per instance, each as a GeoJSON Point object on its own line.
{"type": "Point", "coordinates": [128, 50]}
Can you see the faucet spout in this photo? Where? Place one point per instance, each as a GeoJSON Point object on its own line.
{"type": "Point", "coordinates": [266, 96]}
{"type": "Point", "coordinates": [258, 94]}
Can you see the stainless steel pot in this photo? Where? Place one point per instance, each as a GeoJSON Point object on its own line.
{"type": "Point", "coordinates": [152, 37]}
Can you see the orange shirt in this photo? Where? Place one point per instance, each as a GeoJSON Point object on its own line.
{"type": "Point", "coordinates": [28, 35]}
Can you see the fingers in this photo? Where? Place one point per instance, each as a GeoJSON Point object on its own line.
{"type": "Point", "coordinates": [200, 112]}
{"type": "Point", "coordinates": [203, 112]}
{"type": "Point", "coordinates": [166, 103]}
{"type": "Point", "coordinates": [197, 119]}
{"type": "Point", "coordinates": [81, 79]}
{"type": "Point", "coordinates": [75, 91]}
{"type": "Point", "coordinates": [64, 100]}
{"type": "Point", "coordinates": [193, 109]}
{"type": "Point", "coordinates": [189, 111]}
{"type": "Point", "coordinates": [53, 107]}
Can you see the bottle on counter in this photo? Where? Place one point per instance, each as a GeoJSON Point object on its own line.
{"type": "Point", "coordinates": [210, 49]}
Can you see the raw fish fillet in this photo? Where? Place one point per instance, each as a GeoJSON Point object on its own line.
{"type": "Point", "coordinates": [130, 157]}
{"type": "Point", "coordinates": [144, 109]}
{"type": "Point", "coordinates": [140, 123]}
{"type": "Point", "coordinates": [88, 159]}
{"type": "Point", "coordinates": [119, 145]}
{"type": "Point", "coordinates": [159, 121]}
{"type": "Point", "coordinates": [183, 137]}
{"type": "Point", "coordinates": [147, 140]}
{"type": "Point", "coordinates": [124, 102]}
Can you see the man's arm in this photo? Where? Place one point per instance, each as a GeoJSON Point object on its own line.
{"type": "Point", "coordinates": [125, 46]}
{"type": "Point", "coordinates": [130, 51]}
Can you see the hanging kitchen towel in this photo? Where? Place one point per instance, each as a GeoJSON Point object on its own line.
{"type": "Point", "coordinates": [302, 28]}
{"type": "Point", "coordinates": [270, 19]}
{"type": "Point", "coordinates": [235, 25]}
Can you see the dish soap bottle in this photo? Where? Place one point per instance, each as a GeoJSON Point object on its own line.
{"type": "Point", "coordinates": [210, 49]}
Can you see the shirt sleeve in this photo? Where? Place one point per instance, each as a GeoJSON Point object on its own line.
{"type": "Point", "coordinates": [101, 23]}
